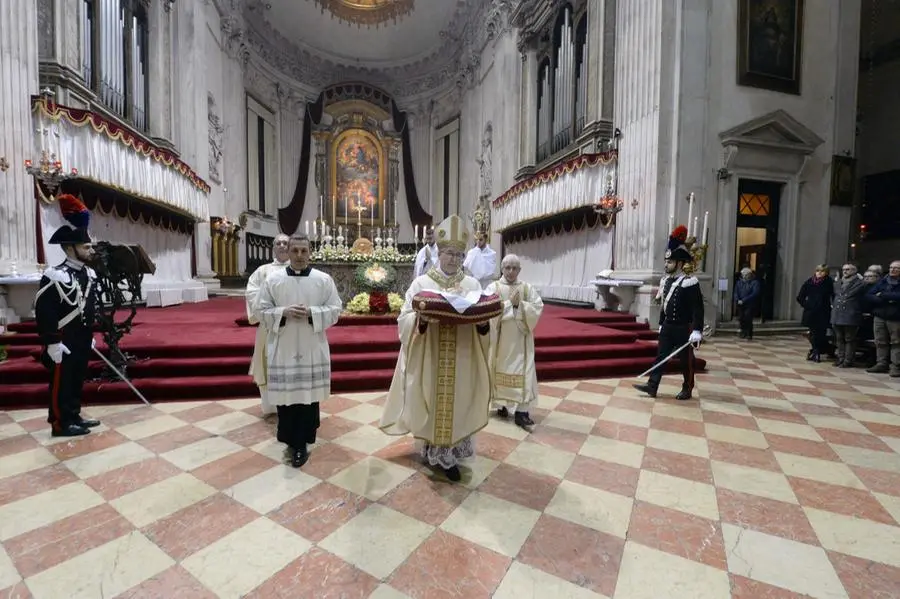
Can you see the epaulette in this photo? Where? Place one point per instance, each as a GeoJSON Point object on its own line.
{"type": "Point", "coordinates": [59, 275]}
{"type": "Point", "coordinates": [690, 281]}
{"type": "Point", "coordinates": [91, 273]}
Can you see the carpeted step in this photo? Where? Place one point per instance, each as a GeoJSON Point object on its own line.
{"type": "Point", "coordinates": [565, 353]}
{"type": "Point", "coordinates": [20, 339]}
{"type": "Point", "coordinates": [602, 368]}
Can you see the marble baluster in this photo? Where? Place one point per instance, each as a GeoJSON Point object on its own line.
{"type": "Point", "coordinates": [19, 73]}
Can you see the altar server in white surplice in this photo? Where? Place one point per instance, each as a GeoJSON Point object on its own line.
{"type": "Point", "coordinates": [427, 256]}
{"type": "Point", "coordinates": [297, 305]}
{"type": "Point", "coordinates": [481, 261]}
{"type": "Point", "coordinates": [441, 387]}
{"type": "Point", "coordinates": [254, 284]}
{"type": "Point", "coordinates": [513, 374]}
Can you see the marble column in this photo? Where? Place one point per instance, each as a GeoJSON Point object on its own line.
{"type": "Point", "coordinates": [19, 69]}
{"type": "Point", "coordinates": [528, 112]}
{"type": "Point", "coordinates": [596, 59]}
{"type": "Point", "coordinates": [160, 109]}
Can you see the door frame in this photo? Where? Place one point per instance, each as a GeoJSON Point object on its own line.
{"type": "Point", "coordinates": [771, 246]}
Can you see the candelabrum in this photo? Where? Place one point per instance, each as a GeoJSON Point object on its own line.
{"type": "Point", "coordinates": [49, 171]}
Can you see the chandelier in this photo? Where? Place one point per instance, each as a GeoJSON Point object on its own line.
{"type": "Point", "coordinates": [48, 169]}
{"type": "Point", "coordinates": [367, 12]}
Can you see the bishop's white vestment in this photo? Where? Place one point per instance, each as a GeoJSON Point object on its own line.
{"type": "Point", "coordinates": [482, 263]}
{"type": "Point", "coordinates": [513, 373]}
{"type": "Point", "coordinates": [258, 362]}
{"type": "Point", "coordinates": [441, 387]}
{"type": "Point", "coordinates": [299, 361]}
{"type": "Point", "coordinates": [426, 258]}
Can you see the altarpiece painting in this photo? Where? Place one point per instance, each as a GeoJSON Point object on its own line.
{"type": "Point", "coordinates": [358, 177]}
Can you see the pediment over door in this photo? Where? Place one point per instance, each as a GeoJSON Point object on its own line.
{"type": "Point", "coordinates": [776, 130]}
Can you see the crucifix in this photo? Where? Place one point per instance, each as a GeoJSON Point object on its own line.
{"type": "Point", "coordinates": [359, 208]}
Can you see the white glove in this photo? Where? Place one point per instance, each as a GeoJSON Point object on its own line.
{"type": "Point", "coordinates": [660, 329]}
{"type": "Point", "coordinates": [93, 343]}
{"type": "Point", "coordinates": [56, 351]}
{"type": "Point", "coordinates": [696, 337]}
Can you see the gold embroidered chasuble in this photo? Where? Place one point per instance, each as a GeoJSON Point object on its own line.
{"type": "Point", "coordinates": [513, 372]}
{"type": "Point", "coordinates": [298, 357]}
{"type": "Point", "coordinates": [254, 284]}
{"type": "Point", "coordinates": [441, 387]}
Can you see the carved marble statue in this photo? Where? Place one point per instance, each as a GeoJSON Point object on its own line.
{"type": "Point", "coordinates": [485, 161]}
{"type": "Point", "coordinates": [216, 133]}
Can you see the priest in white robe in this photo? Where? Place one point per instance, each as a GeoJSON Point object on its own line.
{"type": "Point", "coordinates": [254, 284]}
{"type": "Point", "coordinates": [297, 305]}
{"type": "Point", "coordinates": [481, 261]}
{"type": "Point", "coordinates": [441, 387]}
{"type": "Point", "coordinates": [513, 373]}
{"type": "Point", "coordinates": [427, 256]}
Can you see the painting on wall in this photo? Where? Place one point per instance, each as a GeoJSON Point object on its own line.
{"type": "Point", "coordinates": [843, 180]}
{"type": "Point", "coordinates": [357, 171]}
{"type": "Point", "coordinates": [770, 33]}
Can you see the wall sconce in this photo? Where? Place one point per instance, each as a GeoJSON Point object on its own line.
{"type": "Point", "coordinates": [634, 203]}
{"type": "Point", "coordinates": [4, 164]}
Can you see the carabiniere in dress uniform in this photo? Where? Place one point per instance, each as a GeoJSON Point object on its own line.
{"type": "Point", "coordinates": [65, 310]}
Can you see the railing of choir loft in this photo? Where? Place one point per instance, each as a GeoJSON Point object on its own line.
{"type": "Point", "coordinates": [258, 249]}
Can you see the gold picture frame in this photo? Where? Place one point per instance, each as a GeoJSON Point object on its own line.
{"type": "Point", "coordinates": [770, 44]}
{"type": "Point", "coordinates": [342, 200]}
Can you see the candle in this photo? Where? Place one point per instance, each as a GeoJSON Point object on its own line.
{"type": "Point", "coordinates": [416, 234]}
{"type": "Point", "coordinates": [321, 205]}
{"type": "Point", "coordinates": [696, 218]}
{"type": "Point", "coordinates": [705, 226]}
{"type": "Point", "coordinates": [690, 212]}
{"type": "Point", "coordinates": [315, 229]}
{"type": "Point", "coordinates": [346, 209]}
{"type": "Point", "coordinates": [671, 223]}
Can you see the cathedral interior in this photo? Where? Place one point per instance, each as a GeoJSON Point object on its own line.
{"type": "Point", "coordinates": [573, 136]}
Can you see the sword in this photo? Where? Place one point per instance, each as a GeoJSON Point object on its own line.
{"type": "Point", "coordinates": [661, 362]}
{"type": "Point", "coordinates": [121, 376]}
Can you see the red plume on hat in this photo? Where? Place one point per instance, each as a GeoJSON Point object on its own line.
{"type": "Point", "coordinates": [74, 211]}
{"type": "Point", "coordinates": [680, 233]}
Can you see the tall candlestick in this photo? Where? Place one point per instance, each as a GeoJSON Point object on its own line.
{"type": "Point", "coordinates": [416, 234]}
{"type": "Point", "coordinates": [705, 226]}
{"type": "Point", "coordinates": [671, 223]}
{"type": "Point", "coordinates": [347, 207]}
{"type": "Point", "coordinates": [307, 228]}
{"type": "Point", "coordinates": [690, 212]}
{"type": "Point", "coordinates": [696, 218]}
{"type": "Point", "coordinates": [315, 229]}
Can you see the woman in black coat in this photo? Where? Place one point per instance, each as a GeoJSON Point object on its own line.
{"type": "Point", "coordinates": [816, 296]}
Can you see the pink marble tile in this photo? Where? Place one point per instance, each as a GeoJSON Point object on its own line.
{"type": "Point", "coordinates": [35, 482]}
{"type": "Point", "coordinates": [316, 574]}
{"type": "Point", "coordinates": [678, 533]}
{"type": "Point", "coordinates": [319, 512]}
{"type": "Point", "coordinates": [865, 579]}
{"type": "Point", "coordinates": [608, 476]}
{"type": "Point", "coordinates": [772, 517]}
{"type": "Point", "coordinates": [841, 500]}
{"type": "Point", "coordinates": [520, 486]}
{"type": "Point", "coordinates": [678, 464]}
{"type": "Point", "coordinates": [423, 499]}
{"type": "Point", "coordinates": [169, 584]}
{"type": "Point", "coordinates": [126, 479]}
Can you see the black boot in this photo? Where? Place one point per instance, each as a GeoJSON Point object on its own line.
{"type": "Point", "coordinates": [647, 389]}
{"type": "Point", "coordinates": [502, 412]}
{"type": "Point", "coordinates": [684, 394]}
{"type": "Point", "coordinates": [88, 423]}
{"type": "Point", "coordinates": [70, 430]}
{"type": "Point", "coordinates": [453, 474]}
{"type": "Point", "coordinates": [523, 420]}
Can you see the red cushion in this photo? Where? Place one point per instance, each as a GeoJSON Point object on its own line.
{"type": "Point", "coordinates": [435, 306]}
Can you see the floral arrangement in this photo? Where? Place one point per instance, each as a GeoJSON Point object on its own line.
{"type": "Point", "coordinates": [362, 303]}
{"type": "Point", "coordinates": [375, 277]}
{"type": "Point", "coordinates": [389, 254]}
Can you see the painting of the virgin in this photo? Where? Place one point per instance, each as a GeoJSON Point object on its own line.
{"type": "Point", "coordinates": [357, 162]}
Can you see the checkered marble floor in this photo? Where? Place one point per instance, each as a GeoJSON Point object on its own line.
{"type": "Point", "coordinates": [781, 480]}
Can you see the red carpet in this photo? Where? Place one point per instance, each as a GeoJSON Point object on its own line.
{"type": "Point", "coordinates": [202, 351]}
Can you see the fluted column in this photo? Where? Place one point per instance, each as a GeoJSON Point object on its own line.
{"type": "Point", "coordinates": [19, 69]}
{"type": "Point", "coordinates": [528, 114]}
{"type": "Point", "coordinates": [160, 109]}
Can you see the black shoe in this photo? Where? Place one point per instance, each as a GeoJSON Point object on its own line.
{"type": "Point", "coordinates": [646, 389]}
{"type": "Point", "coordinates": [683, 395]}
{"type": "Point", "coordinates": [299, 457]}
{"type": "Point", "coordinates": [809, 355]}
{"type": "Point", "coordinates": [453, 474]}
{"type": "Point", "coordinates": [503, 412]}
{"type": "Point", "coordinates": [816, 357]}
{"type": "Point", "coordinates": [88, 423]}
{"type": "Point", "coordinates": [878, 369]}
{"type": "Point", "coordinates": [523, 419]}
{"type": "Point", "coordinates": [71, 430]}
{"type": "Point", "coordinates": [743, 335]}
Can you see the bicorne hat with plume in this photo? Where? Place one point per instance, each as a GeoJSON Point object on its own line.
{"type": "Point", "coordinates": [677, 248]}
{"type": "Point", "coordinates": [78, 217]}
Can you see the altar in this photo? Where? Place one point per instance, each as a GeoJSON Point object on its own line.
{"type": "Point", "coordinates": [344, 275]}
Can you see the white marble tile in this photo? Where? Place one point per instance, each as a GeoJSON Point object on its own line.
{"type": "Point", "coordinates": [868, 458]}
{"type": "Point", "coordinates": [788, 429]}
{"type": "Point", "coordinates": [753, 481]}
{"type": "Point", "coordinates": [385, 591]}
{"type": "Point", "coordinates": [876, 417]}
{"type": "Point", "coordinates": [113, 569]}
{"type": "Point", "coordinates": [240, 404]}
{"type": "Point", "coordinates": [594, 508]}
{"type": "Point", "coordinates": [679, 443]}
{"type": "Point", "coordinates": [612, 450]}
{"type": "Point", "coordinates": [117, 456]}
{"type": "Point", "coordinates": [494, 523]}
{"type": "Point", "coordinates": [569, 422]}
{"type": "Point", "coordinates": [8, 573]}
{"type": "Point", "coordinates": [220, 425]}
{"type": "Point", "coordinates": [524, 582]}
{"type": "Point", "coordinates": [365, 439]}
{"type": "Point", "coordinates": [621, 416]}
{"type": "Point", "coordinates": [589, 397]}
{"type": "Point", "coordinates": [646, 573]}
{"type": "Point", "coordinates": [10, 430]}
{"type": "Point", "coordinates": [371, 477]}
{"type": "Point", "coordinates": [505, 428]}
{"type": "Point", "coordinates": [26, 461]}
{"type": "Point", "coordinates": [738, 436]}
{"type": "Point", "coordinates": [200, 453]}
{"type": "Point", "coordinates": [678, 493]}
{"type": "Point", "coordinates": [837, 423]}
{"type": "Point", "coordinates": [377, 540]}
{"type": "Point", "coordinates": [669, 410]}
{"type": "Point", "coordinates": [45, 508]}
{"type": "Point", "coordinates": [147, 428]}
{"type": "Point", "coordinates": [365, 413]}
{"type": "Point", "coordinates": [242, 560]}
{"type": "Point", "coordinates": [824, 471]}
{"type": "Point", "coordinates": [857, 537]}
{"type": "Point", "coordinates": [777, 561]}
{"type": "Point", "coordinates": [273, 488]}
{"type": "Point", "coordinates": [149, 504]}
{"type": "Point", "coordinates": [541, 459]}
{"type": "Point", "coordinates": [364, 396]}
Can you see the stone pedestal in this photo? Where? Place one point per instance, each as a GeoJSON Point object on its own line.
{"type": "Point", "coordinates": [19, 69]}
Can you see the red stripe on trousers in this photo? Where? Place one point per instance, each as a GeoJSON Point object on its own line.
{"type": "Point", "coordinates": [54, 396]}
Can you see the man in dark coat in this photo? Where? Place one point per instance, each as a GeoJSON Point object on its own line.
{"type": "Point", "coordinates": [746, 296]}
{"type": "Point", "coordinates": [65, 313]}
{"type": "Point", "coordinates": [884, 297]}
{"type": "Point", "coordinates": [681, 316]}
{"type": "Point", "coordinates": [846, 315]}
